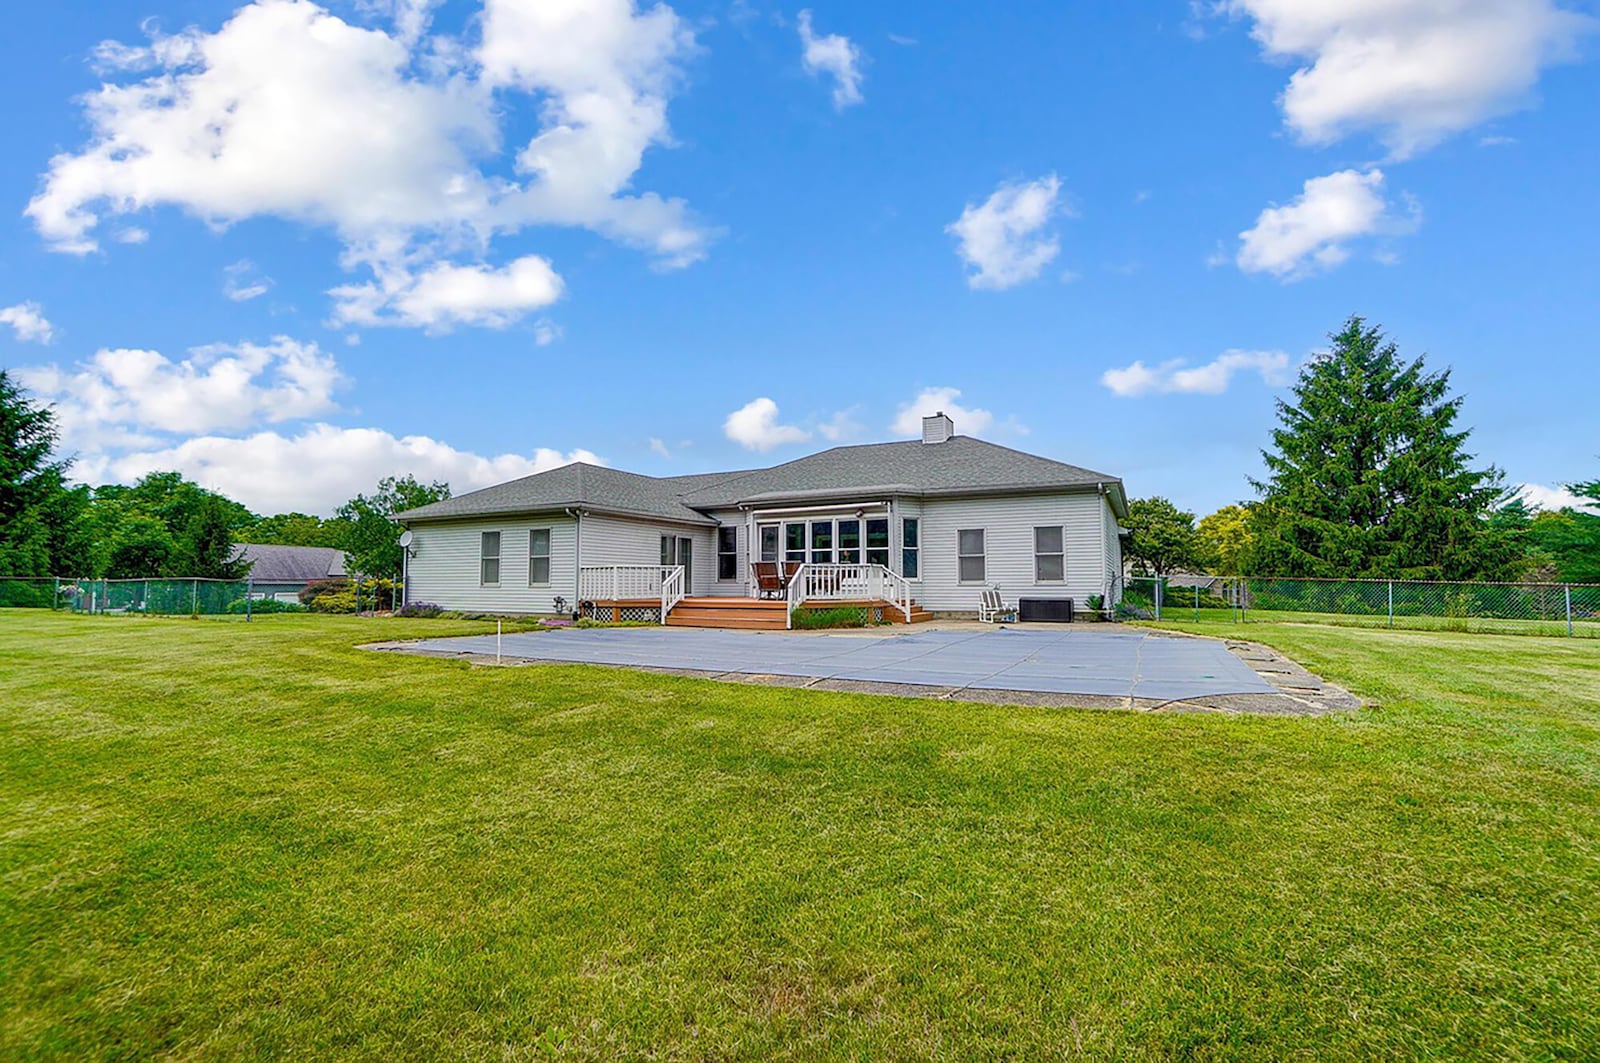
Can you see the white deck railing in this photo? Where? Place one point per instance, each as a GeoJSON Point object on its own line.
{"type": "Point", "coordinates": [618, 583]}
{"type": "Point", "coordinates": [844, 583]}
{"type": "Point", "coordinates": [672, 591]}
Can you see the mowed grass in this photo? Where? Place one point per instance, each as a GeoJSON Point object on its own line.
{"type": "Point", "coordinates": [224, 839]}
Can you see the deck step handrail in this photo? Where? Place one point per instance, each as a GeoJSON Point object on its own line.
{"type": "Point", "coordinates": [849, 582]}
{"type": "Point", "coordinates": [672, 591]}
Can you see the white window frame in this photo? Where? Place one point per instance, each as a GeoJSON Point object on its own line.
{"type": "Point", "coordinates": [1037, 553]}
{"type": "Point", "coordinates": [983, 557]}
{"type": "Point", "coordinates": [532, 557]}
{"type": "Point", "coordinates": [733, 530]}
{"type": "Point", "coordinates": [484, 557]}
{"type": "Point", "coordinates": [916, 551]}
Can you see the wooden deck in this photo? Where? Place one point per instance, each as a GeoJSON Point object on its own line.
{"type": "Point", "coordinates": [765, 614]}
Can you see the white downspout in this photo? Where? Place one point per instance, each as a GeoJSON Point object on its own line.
{"type": "Point", "coordinates": [1105, 552]}
{"type": "Point", "coordinates": [577, 551]}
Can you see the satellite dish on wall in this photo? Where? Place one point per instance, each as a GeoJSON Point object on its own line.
{"type": "Point", "coordinates": [406, 538]}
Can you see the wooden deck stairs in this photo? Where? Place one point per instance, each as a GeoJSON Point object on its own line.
{"type": "Point", "coordinates": [758, 614]}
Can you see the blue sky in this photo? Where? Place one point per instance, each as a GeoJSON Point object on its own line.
{"type": "Point", "coordinates": [288, 247]}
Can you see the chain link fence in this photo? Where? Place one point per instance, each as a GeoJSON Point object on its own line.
{"type": "Point", "coordinates": [189, 597]}
{"type": "Point", "coordinates": [1569, 609]}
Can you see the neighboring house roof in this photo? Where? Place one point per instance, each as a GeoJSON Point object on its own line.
{"type": "Point", "coordinates": [960, 465]}
{"type": "Point", "coordinates": [291, 564]}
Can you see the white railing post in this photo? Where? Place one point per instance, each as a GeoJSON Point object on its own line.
{"type": "Point", "coordinates": [1568, 589]}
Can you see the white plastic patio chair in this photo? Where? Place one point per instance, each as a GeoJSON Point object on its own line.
{"type": "Point", "coordinates": [992, 608]}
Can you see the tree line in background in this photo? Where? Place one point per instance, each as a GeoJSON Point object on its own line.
{"type": "Point", "coordinates": [163, 525]}
{"type": "Point", "coordinates": [1368, 476]}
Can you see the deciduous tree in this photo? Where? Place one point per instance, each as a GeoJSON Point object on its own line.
{"type": "Point", "coordinates": [1224, 539]}
{"type": "Point", "coordinates": [372, 538]}
{"type": "Point", "coordinates": [1161, 537]}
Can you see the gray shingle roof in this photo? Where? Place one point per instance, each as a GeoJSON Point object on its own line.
{"type": "Point", "coordinates": [579, 484]}
{"type": "Point", "coordinates": [291, 564]}
{"type": "Point", "coordinates": [960, 465]}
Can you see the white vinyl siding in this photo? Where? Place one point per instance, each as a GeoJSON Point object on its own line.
{"type": "Point", "coordinates": [1008, 525]}
{"type": "Point", "coordinates": [621, 541]}
{"type": "Point", "coordinates": [446, 566]}
{"type": "Point", "coordinates": [1113, 555]}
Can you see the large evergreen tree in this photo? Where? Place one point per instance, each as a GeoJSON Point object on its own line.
{"type": "Point", "coordinates": [1368, 474]}
{"type": "Point", "coordinates": [208, 545]}
{"type": "Point", "coordinates": [31, 481]}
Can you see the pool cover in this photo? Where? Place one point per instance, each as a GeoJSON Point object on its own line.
{"type": "Point", "coordinates": [1111, 663]}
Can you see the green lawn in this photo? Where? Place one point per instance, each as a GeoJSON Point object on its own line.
{"type": "Point", "coordinates": [224, 839]}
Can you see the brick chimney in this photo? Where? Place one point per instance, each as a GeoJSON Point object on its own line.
{"type": "Point", "coordinates": [938, 428]}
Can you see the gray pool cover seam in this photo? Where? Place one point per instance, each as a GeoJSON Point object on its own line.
{"type": "Point", "coordinates": [1119, 663]}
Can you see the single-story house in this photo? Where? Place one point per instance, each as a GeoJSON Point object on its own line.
{"type": "Point", "coordinates": [911, 528]}
{"type": "Point", "coordinates": [282, 572]}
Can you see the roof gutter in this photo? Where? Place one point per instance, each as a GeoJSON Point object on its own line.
{"type": "Point", "coordinates": [832, 508]}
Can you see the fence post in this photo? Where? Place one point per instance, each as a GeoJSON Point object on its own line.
{"type": "Point", "coordinates": [1391, 603]}
{"type": "Point", "coordinates": [55, 598]}
{"type": "Point", "coordinates": [248, 584]}
{"type": "Point", "coordinates": [1568, 589]}
{"type": "Point", "coordinates": [1197, 604]}
{"type": "Point", "coordinates": [194, 597]}
{"type": "Point", "coordinates": [1159, 582]}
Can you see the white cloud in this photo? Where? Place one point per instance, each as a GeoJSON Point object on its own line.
{"type": "Point", "coordinates": [1210, 379]}
{"type": "Point", "coordinates": [755, 426]}
{"type": "Point", "coordinates": [1003, 239]}
{"type": "Point", "coordinates": [445, 295]}
{"type": "Point", "coordinates": [929, 401]}
{"type": "Point", "coordinates": [241, 282]}
{"type": "Point", "coordinates": [321, 467]}
{"type": "Point", "coordinates": [1413, 71]}
{"type": "Point", "coordinates": [834, 55]}
{"type": "Point", "coordinates": [122, 395]}
{"type": "Point", "coordinates": [841, 427]}
{"type": "Point", "coordinates": [289, 111]}
{"type": "Point", "coordinates": [1313, 232]}
{"type": "Point", "coordinates": [604, 72]}
{"type": "Point", "coordinates": [546, 332]}
{"type": "Point", "coordinates": [1553, 498]}
{"type": "Point", "coordinates": [27, 320]}
{"type": "Point", "coordinates": [659, 446]}
{"type": "Point", "coordinates": [130, 234]}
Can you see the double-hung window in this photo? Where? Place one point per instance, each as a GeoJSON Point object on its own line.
{"type": "Point", "coordinates": [878, 541]}
{"type": "Point", "coordinates": [489, 559]}
{"type": "Point", "coordinates": [910, 548]}
{"type": "Point", "coordinates": [971, 566]}
{"type": "Point", "coordinates": [728, 552]}
{"type": "Point", "coordinates": [539, 557]}
{"type": "Point", "coordinates": [1049, 555]}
